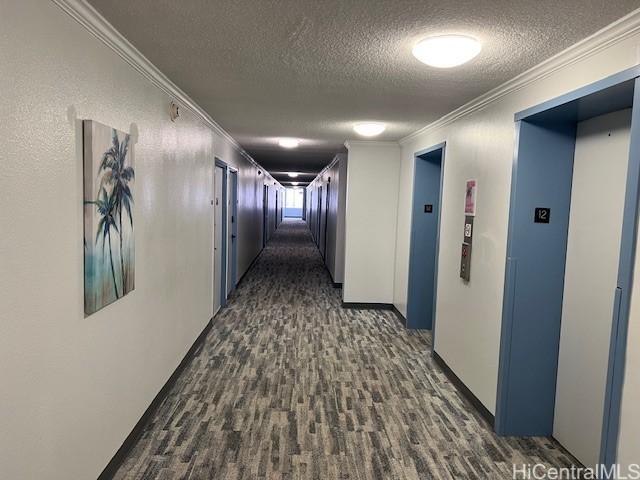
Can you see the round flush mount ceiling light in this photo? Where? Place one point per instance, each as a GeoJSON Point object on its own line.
{"type": "Point", "coordinates": [446, 51]}
{"type": "Point", "coordinates": [295, 183]}
{"type": "Point", "coordinates": [288, 143]}
{"type": "Point", "coordinates": [369, 129]}
{"type": "Point", "coordinates": [293, 174]}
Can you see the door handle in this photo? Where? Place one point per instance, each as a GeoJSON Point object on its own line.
{"type": "Point", "coordinates": [233, 236]}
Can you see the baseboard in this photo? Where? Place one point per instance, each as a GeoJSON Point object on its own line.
{"type": "Point", "coordinates": [403, 320]}
{"type": "Point", "coordinates": [333, 282]}
{"type": "Point", "coordinates": [477, 404]}
{"type": "Point", "coordinates": [367, 306]}
{"type": "Point", "coordinates": [253, 262]}
{"type": "Point", "coordinates": [133, 437]}
{"type": "Point", "coordinates": [376, 306]}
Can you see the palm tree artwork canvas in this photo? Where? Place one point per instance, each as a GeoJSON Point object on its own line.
{"type": "Point", "coordinates": [109, 246]}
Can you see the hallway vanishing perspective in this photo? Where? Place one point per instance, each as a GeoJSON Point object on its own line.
{"type": "Point", "coordinates": [288, 384]}
{"type": "Point", "coordinates": [320, 239]}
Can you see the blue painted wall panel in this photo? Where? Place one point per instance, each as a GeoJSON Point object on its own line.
{"type": "Point", "coordinates": [535, 281]}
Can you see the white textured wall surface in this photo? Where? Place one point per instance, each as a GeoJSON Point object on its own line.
{"type": "Point", "coordinates": [341, 208]}
{"type": "Point", "coordinates": [74, 387]}
{"type": "Point", "coordinates": [314, 209]}
{"type": "Point", "coordinates": [337, 172]}
{"type": "Point", "coordinates": [481, 146]}
{"type": "Point", "coordinates": [370, 222]}
{"type": "Point", "coordinates": [275, 198]}
{"type": "Point", "coordinates": [250, 200]}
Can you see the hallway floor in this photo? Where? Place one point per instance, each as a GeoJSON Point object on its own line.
{"type": "Point", "coordinates": [289, 385]}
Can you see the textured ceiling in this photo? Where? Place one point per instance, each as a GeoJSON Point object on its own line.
{"type": "Point", "coordinates": [265, 69]}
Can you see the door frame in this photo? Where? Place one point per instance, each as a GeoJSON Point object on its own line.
{"type": "Point", "coordinates": [233, 175]}
{"type": "Point", "coordinates": [326, 217]}
{"type": "Point", "coordinates": [304, 204]}
{"type": "Point", "coordinates": [412, 240]}
{"type": "Point", "coordinates": [223, 268]}
{"type": "Point", "coordinates": [265, 215]}
{"type": "Point", "coordinates": [319, 216]}
{"type": "Point", "coordinates": [591, 99]}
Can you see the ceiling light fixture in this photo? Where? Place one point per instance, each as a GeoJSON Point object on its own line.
{"type": "Point", "coordinates": [369, 129]}
{"type": "Point", "coordinates": [446, 51]}
{"type": "Point", "coordinates": [293, 174]}
{"type": "Point", "coordinates": [295, 183]}
{"type": "Point", "coordinates": [289, 143]}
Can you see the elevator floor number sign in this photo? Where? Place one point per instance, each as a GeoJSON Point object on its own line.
{"type": "Point", "coordinates": [542, 215]}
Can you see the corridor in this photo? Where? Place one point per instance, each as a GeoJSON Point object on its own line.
{"type": "Point", "coordinates": [290, 385]}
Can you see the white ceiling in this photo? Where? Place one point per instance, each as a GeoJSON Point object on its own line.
{"type": "Point", "coordinates": [265, 69]}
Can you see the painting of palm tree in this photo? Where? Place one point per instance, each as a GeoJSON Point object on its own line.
{"type": "Point", "coordinates": [109, 268]}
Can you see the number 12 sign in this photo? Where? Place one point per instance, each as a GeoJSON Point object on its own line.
{"type": "Point", "coordinates": [542, 215]}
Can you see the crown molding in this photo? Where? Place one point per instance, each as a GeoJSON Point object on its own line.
{"type": "Point", "coordinates": [601, 40]}
{"type": "Point", "coordinates": [370, 143]}
{"type": "Point", "coordinates": [98, 26]}
{"type": "Point", "coordinates": [336, 159]}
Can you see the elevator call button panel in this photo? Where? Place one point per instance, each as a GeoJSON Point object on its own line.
{"type": "Point", "coordinates": [465, 253]}
{"type": "Point", "coordinates": [465, 262]}
{"type": "Point", "coordinates": [468, 229]}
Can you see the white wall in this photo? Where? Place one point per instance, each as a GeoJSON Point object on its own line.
{"type": "Point", "coordinates": [312, 215]}
{"type": "Point", "coordinates": [315, 211]}
{"type": "Point", "coordinates": [335, 175]}
{"type": "Point", "coordinates": [480, 144]}
{"type": "Point", "coordinates": [370, 222]}
{"type": "Point", "coordinates": [74, 387]}
{"type": "Point", "coordinates": [340, 205]}
{"type": "Point", "coordinates": [250, 200]}
{"type": "Point", "coordinates": [274, 217]}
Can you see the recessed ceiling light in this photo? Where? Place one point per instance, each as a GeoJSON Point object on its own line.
{"type": "Point", "coordinates": [369, 129]}
{"type": "Point", "coordinates": [446, 51]}
{"type": "Point", "coordinates": [293, 174]}
{"type": "Point", "coordinates": [294, 183]}
{"type": "Point", "coordinates": [289, 143]}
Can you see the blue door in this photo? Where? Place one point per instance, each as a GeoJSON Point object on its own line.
{"type": "Point", "coordinates": [425, 221]}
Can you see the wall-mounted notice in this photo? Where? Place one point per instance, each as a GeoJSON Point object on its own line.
{"type": "Point", "coordinates": [470, 197]}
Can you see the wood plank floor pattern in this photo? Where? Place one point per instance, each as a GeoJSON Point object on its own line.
{"type": "Point", "coordinates": [288, 385]}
